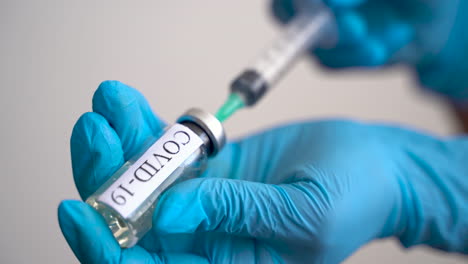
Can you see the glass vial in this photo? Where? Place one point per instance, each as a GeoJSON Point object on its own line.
{"type": "Point", "coordinates": [128, 199]}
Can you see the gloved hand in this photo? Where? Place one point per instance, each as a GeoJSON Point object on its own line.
{"type": "Point", "coordinates": [428, 35]}
{"type": "Point", "coordinates": [309, 192]}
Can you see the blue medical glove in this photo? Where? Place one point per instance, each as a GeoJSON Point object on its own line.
{"type": "Point", "coordinates": [310, 192]}
{"type": "Point", "coordinates": [429, 35]}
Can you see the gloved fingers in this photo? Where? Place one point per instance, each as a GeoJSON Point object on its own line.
{"type": "Point", "coordinates": [92, 241]}
{"type": "Point", "coordinates": [386, 24]}
{"type": "Point", "coordinates": [262, 211]}
{"type": "Point", "coordinates": [370, 53]}
{"type": "Point", "coordinates": [96, 153]}
{"type": "Point", "coordinates": [128, 112]}
{"type": "Point", "coordinates": [351, 27]}
{"type": "Point", "coordinates": [368, 36]}
{"type": "Point", "coordinates": [369, 32]}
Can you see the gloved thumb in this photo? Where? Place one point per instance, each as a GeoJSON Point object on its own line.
{"type": "Point", "coordinates": [237, 207]}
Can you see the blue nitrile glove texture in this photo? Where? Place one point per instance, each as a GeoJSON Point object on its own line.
{"type": "Point", "coordinates": [309, 192]}
{"type": "Point", "coordinates": [430, 36]}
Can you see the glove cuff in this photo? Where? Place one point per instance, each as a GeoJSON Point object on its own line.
{"type": "Point", "coordinates": [447, 72]}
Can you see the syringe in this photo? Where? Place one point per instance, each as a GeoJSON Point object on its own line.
{"type": "Point", "coordinates": [309, 29]}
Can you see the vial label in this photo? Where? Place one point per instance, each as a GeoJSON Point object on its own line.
{"type": "Point", "coordinates": [136, 184]}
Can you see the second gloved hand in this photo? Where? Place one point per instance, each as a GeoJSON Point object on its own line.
{"type": "Point", "coordinates": [310, 192]}
{"type": "Point", "coordinates": [427, 35]}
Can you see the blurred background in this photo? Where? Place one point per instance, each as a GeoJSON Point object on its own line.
{"type": "Point", "coordinates": [54, 54]}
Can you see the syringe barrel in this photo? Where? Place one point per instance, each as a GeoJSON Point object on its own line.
{"type": "Point", "coordinates": [307, 30]}
{"type": "Point", "coordinates": [304, 32]}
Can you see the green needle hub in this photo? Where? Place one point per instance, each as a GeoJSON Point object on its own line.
{"type": "Point", "coordinates": [232, 104]}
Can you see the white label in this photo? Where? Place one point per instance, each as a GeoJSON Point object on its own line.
{"type": "Point", "coordinates": [143, 177]}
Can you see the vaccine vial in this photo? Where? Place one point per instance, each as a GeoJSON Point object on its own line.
{"type": "Point", "coordinates": [128, 199]}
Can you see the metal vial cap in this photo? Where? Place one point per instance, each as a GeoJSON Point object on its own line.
{"type": "Point", "coordinates": [209, 124]}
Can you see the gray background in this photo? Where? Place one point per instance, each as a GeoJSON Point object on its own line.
{"type": "Point", "coordinates": [53, 55]}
